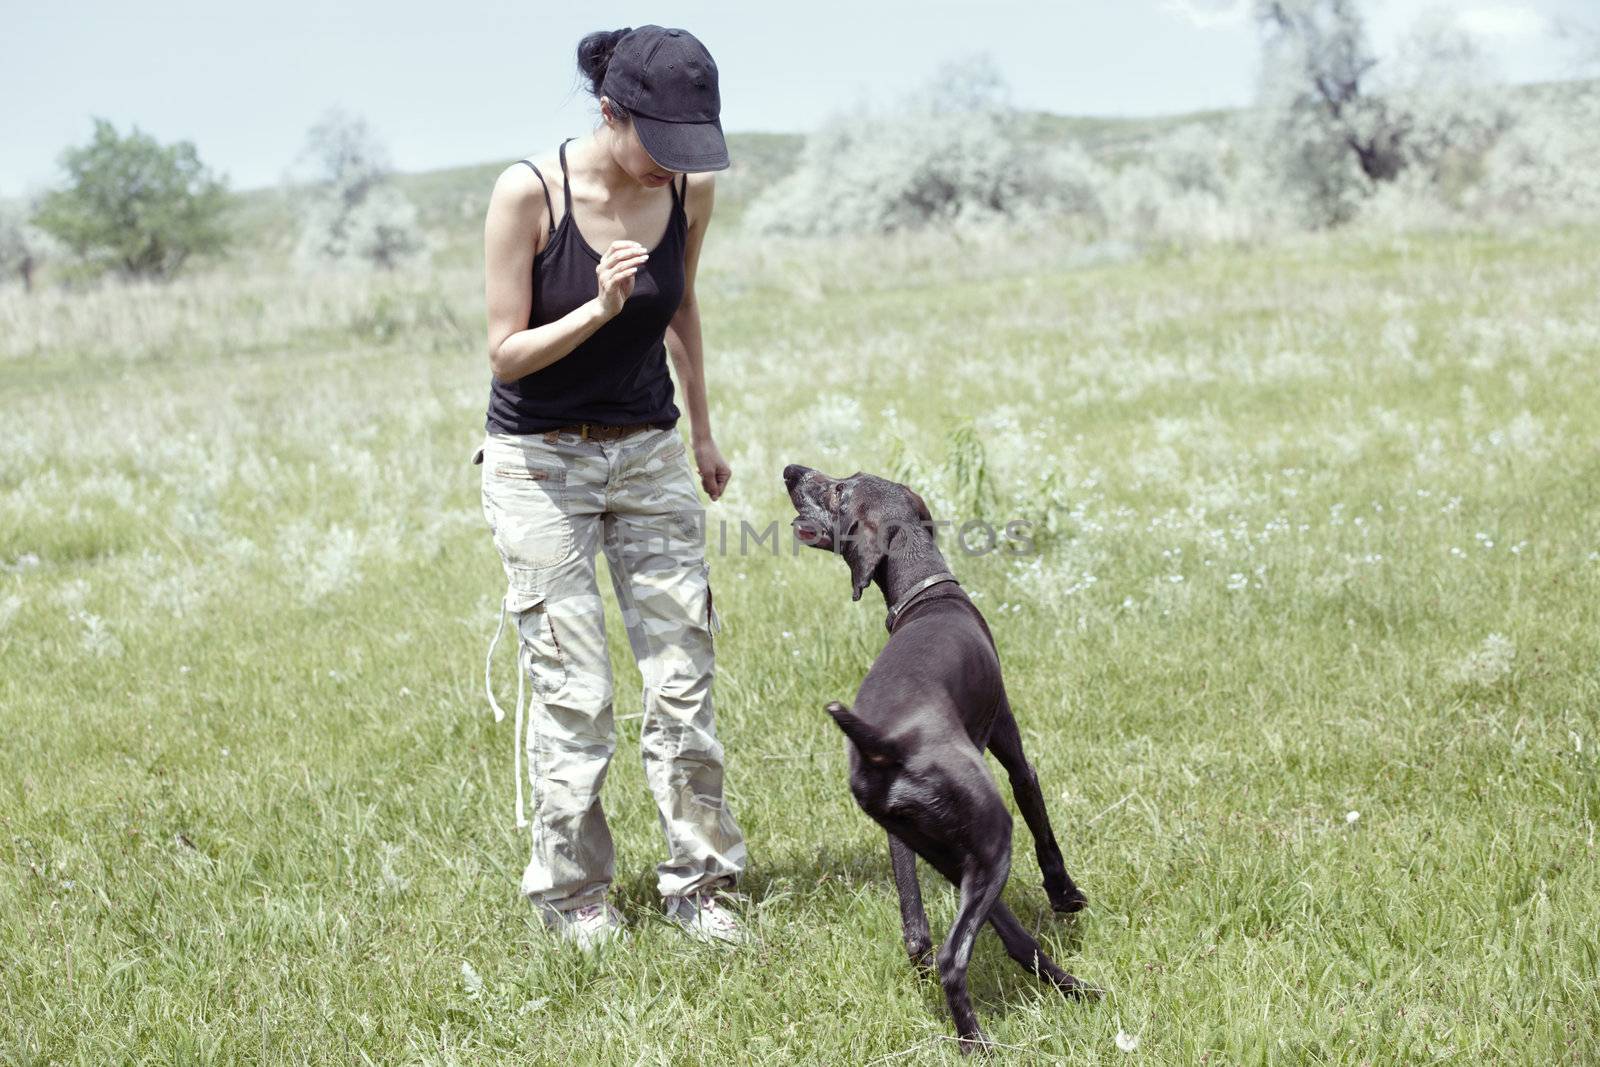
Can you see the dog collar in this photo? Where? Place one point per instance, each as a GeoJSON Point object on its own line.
{"type": "Point", "coordinates": [905, 601]}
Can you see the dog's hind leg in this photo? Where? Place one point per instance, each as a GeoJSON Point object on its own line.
{"type": "Point", "coordinates": [980, 893]}
{"type": "Point", "coordinates": [913, 919]}
{"type": "Point", "coordinates": [1005, 741]}
{"type": "Point", "coordinates": [1022, 947]}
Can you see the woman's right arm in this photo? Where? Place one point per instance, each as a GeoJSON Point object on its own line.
{"type": "Point", "coordinates": [513, 230]}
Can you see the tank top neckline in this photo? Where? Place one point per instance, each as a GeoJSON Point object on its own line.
{"type": "Point", "coordinates": [577, 231]}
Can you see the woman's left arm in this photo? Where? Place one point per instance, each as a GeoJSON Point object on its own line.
{"type": "Point", "coordinates": [683, 342]}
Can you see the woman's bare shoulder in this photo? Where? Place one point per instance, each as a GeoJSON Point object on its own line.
{"type": "Point", "coordinates": [518, 199]}
{"type": "Point", "coordinates": [699, 194]}
{"type": "Point", "coordinates": [517, 180]}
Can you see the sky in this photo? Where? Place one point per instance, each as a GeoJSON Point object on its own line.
{"type": "Point", "coordinates": [479, 81]}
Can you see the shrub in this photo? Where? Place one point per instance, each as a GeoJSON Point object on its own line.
{"type": "Point", "coordinates": [950, 155]}
{"type": "Point", "coordinates": [136, 206]}
{"type": "Point", "coordinates": [23, 246]}
{"type": "Point", "coordinates": [1549, 163]}
{"type": "Point", "coordinates": [1335, 123]}
{"type": "Point", "coordinates": [355, 216]}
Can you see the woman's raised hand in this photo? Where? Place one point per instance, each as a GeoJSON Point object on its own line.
{"type": "Point", "coordinates": [616, 270]}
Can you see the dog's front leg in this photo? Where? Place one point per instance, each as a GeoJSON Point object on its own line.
{"type": "Point", "coordinates": [913, 919]}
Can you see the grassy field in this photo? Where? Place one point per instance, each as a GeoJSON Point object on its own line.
{"type": "Point", "coordinates": [1308, 659]}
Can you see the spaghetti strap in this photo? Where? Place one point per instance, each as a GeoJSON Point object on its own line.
{"type": "Point", "coordinates": [566, 181]}
{"type": "Point", "coordinates": [547, 205]}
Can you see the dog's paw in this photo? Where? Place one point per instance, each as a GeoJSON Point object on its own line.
{"type": "Point", "coordinates": [978, 1042]}
{"type": "Point", "coordinates": [1076, 988]}
{"type": "Point", "coordinates": [1068, 903]}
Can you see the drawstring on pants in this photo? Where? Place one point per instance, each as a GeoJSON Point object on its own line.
{"type": "Point", "coordinates": [499, 712]}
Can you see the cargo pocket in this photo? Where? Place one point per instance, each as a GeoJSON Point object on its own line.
{"type": "Point", "coordinates": [541, 641]}
{"type": "Point", "coordinates": [524, 503]}
{"type": "Point", "coordinates": [713, 621]}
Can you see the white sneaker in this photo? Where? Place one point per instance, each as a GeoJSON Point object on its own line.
{"type": "Point", "coordinates": [706, 916]}
{"type": "Point", "coordinates": [587, 927]}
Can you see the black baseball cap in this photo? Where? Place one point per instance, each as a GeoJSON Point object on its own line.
{"type": "Point", "coordinates": [667, 81]}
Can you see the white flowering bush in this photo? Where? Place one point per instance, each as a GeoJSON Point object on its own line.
{"type": "Point", "coordinates": [1487, 664]}
{"type": "Point", "coordinates": [354, 215]}
{"type": "Point", "coordinates": [1420, 138]}
{"type": "Point", "coordinates": [951, 155]}
{"type": "Point", "coordinates": [380, 230]}
{"type": "Point", "coordinates": [1336, 124]}
{"type": "Point", "coordinates": [1548, 164]}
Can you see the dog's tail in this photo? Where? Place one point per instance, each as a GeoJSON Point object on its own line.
{"type": "Point", "coordinates": [874, 746]}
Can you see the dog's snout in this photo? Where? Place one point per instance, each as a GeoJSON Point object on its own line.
{"type": "Point", "coordinates": [793, 473]}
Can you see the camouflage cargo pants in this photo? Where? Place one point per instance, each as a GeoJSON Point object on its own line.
{"type": "Point", "coordinates": [551, 500]}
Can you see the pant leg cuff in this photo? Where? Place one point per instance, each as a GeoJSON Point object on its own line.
{"type": "Point", "coordinates": [566, 904]}
{"type": "Point", "coordinates": [724, 882]}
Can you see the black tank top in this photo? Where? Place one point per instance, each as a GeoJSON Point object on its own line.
{"type": "Point", "coordinates": [619, 375]}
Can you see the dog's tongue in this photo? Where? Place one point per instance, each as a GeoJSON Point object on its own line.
{"type": "Point", "coordinates": [806, 532]}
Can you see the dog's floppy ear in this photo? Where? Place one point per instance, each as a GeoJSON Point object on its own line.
{"type": "Point", "coordinates": [864, 558]}
{"type": "Point", "coordinates": [873, 746]}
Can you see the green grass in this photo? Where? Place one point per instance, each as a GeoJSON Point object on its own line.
{"type": "Point", "coordinates": [255, 808]}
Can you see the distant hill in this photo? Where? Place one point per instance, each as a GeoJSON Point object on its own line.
{"type": "Point", "coordinates": [451, 201]}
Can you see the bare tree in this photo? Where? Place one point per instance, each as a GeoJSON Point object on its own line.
{"type": "Point", "coordinates": [1322, 45]}
{"type": "Point", "coordinates": [346, 154]}
{"type": "Point", "coordinates": [1339, 122]}
{"type": "Point", "coordinates": [355, 214]}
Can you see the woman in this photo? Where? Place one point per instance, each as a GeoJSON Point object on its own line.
{"type": "Point", "coordinates": [581, 453]}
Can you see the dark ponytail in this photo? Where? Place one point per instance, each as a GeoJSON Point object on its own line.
{"type": "Point", "coordinates": [594, 56]}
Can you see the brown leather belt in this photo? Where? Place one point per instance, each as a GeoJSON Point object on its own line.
{"type": "Point", "coordinates": [599, 431]}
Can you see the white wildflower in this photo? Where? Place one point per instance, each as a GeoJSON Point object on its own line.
{"type": "Point", "coordinates": [471, 979]}
{"type": "Point", "coordinates": [73, 595]}
{"type": "Point", "coordinates": [1352, 817]}
{"type": "Point", "coordinates": [393, 881]}
{"type": "Point", "coordinates": [1127, 1042]}
{"type": "Point", "coordinates": [334, 565]}
{"type": "Point", "coordinates": [1489, 663]}
{"type": "Point", "coordinates": [8, 610]}
{"type": "Point", "coordinates": [97, 636]}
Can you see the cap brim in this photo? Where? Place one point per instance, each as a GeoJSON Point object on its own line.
{"type": "Point", "coordinates": [683, 146]}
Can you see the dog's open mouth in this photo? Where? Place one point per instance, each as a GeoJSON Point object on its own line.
{"type": "Point", "coordinates": [811, 533]}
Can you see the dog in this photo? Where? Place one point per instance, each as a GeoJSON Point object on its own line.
{"type": "Point", "coordinates": [928, 707]}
